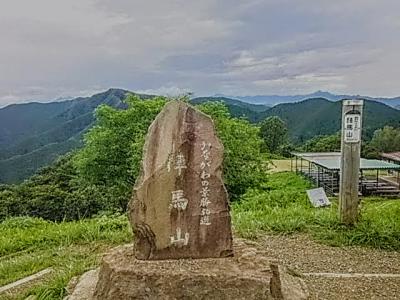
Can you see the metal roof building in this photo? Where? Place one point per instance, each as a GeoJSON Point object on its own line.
{"type": "Point", "coordinates": [331, 161]}
{"type": "Point", "coordinates": [324, 170]}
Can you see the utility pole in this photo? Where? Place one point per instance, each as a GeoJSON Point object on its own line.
{"type": "Point", "coordinates": [350, 160]}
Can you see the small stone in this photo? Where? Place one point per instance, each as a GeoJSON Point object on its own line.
{"type": "Point", "coordinates": [247, 255]}
{"type": "Point", "coordinates": [285, 285]}
{"type": "Point", "coordinates": [84, 288]}
{"type": "Point", "coordinates": [72, 284]}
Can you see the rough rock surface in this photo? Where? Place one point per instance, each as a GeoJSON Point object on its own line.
{"type": "Point", "coordinates": [247, 275]}
{"type": "Point", "coordinates": [286, 285]}
{"type": "Point", "coordinates": [84, 288]}
{"type": "Point", "coordinates": [180, 206]}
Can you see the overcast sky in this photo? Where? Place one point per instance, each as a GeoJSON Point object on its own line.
{"type": "Point", "coordinates": [64, 48]}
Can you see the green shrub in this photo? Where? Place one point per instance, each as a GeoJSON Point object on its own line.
{"type": "Point", "coordinates": [285, 209]}
{"type": "Point", "coordinates": [19, 234]}
{"type": "Point", "coordinates": [29, 245]}
{"type": "Point", "coordinates": [22, 223]}
{"type": "Point", "coordinates": [244, 166]}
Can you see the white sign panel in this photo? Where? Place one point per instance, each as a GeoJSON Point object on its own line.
{"type": "Point", "coordinates": [352, 128]}
{"type": "Point", "coordinates": [318, 197]}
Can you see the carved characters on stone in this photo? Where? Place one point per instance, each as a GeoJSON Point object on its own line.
{"type": "Point", "coordinates": [180, 196]}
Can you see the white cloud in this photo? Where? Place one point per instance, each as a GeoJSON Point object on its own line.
{"type": "Point", "coordinates": [52, 49]}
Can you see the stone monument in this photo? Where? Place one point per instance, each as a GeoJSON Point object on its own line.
{"type": "Point", "coordinates": [179, 212]}
{"type": "Point", "coordinates": [180, 205]}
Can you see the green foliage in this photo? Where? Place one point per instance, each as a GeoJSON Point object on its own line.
{"type": "Point", "coordinates": [369, 151]}
{"type": "Point", "coordinates": [112, 154]}
{"type": "Point", "coordinates": [274, 133]}
{"type": "Point", "coordinates": [100, 176]}
{"type": "Point", "coordinates": [22, 223]}
{"type": "Point", "coordinates": [386, 139]}
{"type": "Point", "coordinates": [55, 193]}
{"type": "Point", "coordinates": [97, 178]}
{"type": "Point", "coordinates": [313, 117]}
{"type": "Point", "coordinates": [323, 143]}
{"type": "Point", "coordinates": [285, 208]}
{"type": "Point", "coordinates": [378, 227]}
{"type": "Point", "coordinates": [244, 166]}
{"type": "Point", "coordinates": [33, 135]}
{"type": "Point", "coordinates": [20, 167]}
{"type": "Point", "coordinates": [22, 233]}
{"type": "Point", "coordinates": [29, 245]}
{"type": "Point", "coordinates": [9, 204]}
{"type": "Point", "coordinates": [113, 148]}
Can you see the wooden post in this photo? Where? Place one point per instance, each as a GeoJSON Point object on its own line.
{"type": "Point", "coordinates": [337, 180]}
{"type": "Point", "coordinates": [361, 183]}
{"type": "Point", "coordinates": [291, 163]}
{"type": "Point", "coordinates": [350, 160]}
{"type": "Point", "coordinates": [301, 165]}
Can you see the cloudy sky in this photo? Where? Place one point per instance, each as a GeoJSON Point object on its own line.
{"type": "Point", "coordinates": [63, 48]}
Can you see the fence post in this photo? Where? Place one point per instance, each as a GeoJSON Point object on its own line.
{"type": "Point", "coordinates": [350, 160]}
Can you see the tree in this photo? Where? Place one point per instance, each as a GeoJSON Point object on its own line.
{"type": "Point", "coordinates": [111, 157]}
{"type": "Point", "coordinates": [112, 154]}
{"type": "Point", "coordinates": [323, 143]}
{"type": "Point", "coordinates": [274, 132]}
{"type": "Point", "coordinates": [386, 139]}
{"type": "Point", "coordinates": [9, 204]}
{"type": "Point", "coordinates": [100, 176]}
{"type": "Point", "coordinates": [244, 166]}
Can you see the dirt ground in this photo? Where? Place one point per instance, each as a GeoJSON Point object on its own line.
{"type": "Point", "coordinates": [279, 165]}
{"type": "Point", "coordinates": [306, 256]}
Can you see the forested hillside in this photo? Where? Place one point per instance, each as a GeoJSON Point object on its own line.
{"type": "Point", "coordinates": [236, 108]}
{"type": "Point", "coordinates": [312, 117]}
{"type": "Point", "coordinates": [99, 176]}
{"type": "Point", "coordinates": [33, 135]}
{"type": "Point", "coordinates": [272, 100]}
{"type": "Point", "coordinates": [319, 116]}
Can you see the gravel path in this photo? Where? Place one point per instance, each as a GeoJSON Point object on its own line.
{"type": "Point", "coordinates": [306, 256]}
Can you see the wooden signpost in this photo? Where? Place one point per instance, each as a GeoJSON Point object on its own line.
{"type": "Point", "coordinates": [350, 160]}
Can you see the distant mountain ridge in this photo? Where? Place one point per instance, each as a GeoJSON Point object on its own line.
{"type": "Point", "coordinates": [271, 100]}
{"type": "Point", "coordinates": [232, 102]}
{"type": "Point", "coordinates": [319, 116]}
{"type": "Point", "coordinates": [32, 135]}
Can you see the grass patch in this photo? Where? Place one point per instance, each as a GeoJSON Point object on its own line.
{"type": "Point", "coordinates": [29, 245]}
{"type": "Point", "coordinates": [284, 208]}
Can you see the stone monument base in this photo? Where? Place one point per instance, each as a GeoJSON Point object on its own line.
{"type": "Point", "coordinates": [248, 275]}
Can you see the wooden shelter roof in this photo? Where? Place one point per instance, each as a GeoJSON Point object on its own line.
{"type": "Point", "coordinates": [394, 156]}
